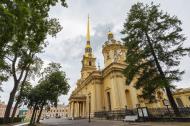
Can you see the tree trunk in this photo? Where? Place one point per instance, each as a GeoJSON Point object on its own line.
{"type": "Point", "coordinates": [33, 113]}
{"type": "Point", "coordinates": [18, 100]}
{"type": "Point", "coordinates": [167, 86]}
{"type": "Point", "coordinates": [16, 84]}
{"type": "Point", "coordinates": [40, 113]}
{"type": "Point", "coordinates": [34, 121]}
{"type": "Point", "coordinates": [10, 104]}
{"type": "Point", "coordinates": [14, 110]}
{"type": "Point", "coordinates": [172, 101]}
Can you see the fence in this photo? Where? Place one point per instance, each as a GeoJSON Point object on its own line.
{"type": "Point", "coordinates": [152, 113]}
{"type": "Point", "coordinates": [114, 115]}
{"type": "Point", "coordinates": [168, 112]}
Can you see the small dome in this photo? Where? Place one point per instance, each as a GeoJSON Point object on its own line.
{"type": "Point", "coordinates": [110, 35]}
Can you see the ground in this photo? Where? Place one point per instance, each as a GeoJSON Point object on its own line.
{"type": "Point", "coordinates": [95, 122]}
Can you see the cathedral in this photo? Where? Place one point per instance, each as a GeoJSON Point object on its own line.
{"type": "Point", "coordinates": [106, 90]}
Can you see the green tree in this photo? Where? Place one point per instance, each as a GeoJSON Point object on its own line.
{"type": "Point", "coordinates": [154, 45]}
{"type": "Point", "coordinates": [53, 84]}
{"type": "Point", "coordinates": [57, 85]}
{"type": "Point", "coordinates": [24, 26]}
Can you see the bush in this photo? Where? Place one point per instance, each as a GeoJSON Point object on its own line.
{"type": "Point", "coordinates": [16, 120]}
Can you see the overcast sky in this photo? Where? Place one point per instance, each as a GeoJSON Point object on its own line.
{"type": "Point", "coordinates": [68, 46]}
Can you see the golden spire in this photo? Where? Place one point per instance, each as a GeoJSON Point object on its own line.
{"type": "Point", "coordinates": [88, 49]}
{"type": "Point", "coordinates": [88, 30]}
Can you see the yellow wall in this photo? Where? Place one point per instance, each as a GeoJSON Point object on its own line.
{"type": "Point", "coordinates": [184, 95]}
{"type": "Point", "coordinates": [98, 83]}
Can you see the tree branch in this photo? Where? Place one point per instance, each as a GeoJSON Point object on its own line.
{"type": "Point", "coordinates": [26, 74]}
{"type": "Point", "coordinates": [9, 58]}
{"type": "Point", "coordinates": [22, 72]}
{"type": "Point", "coordinates": [25, 68]}
{"type": "Point", "coordinates": [13, 68]}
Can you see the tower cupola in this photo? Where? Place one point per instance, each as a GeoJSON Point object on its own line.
{"type": "Point", "coordinates": [113, 50]}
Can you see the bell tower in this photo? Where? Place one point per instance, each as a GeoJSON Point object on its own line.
{"type": "Point", "coordinates": [113, 50]}
{"type": "Point", "coordinates": [88, 61]}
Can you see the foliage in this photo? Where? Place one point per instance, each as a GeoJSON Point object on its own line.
{"type": "Point", "coordinates": [53, 84]}
{"type": "Point", "coordinates": [154, 43]}
{"type": "Point", "coordinates": [24, 26]}
{"type": "Point", "coordinates": [24, 92]}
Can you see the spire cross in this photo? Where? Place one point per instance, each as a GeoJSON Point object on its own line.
{"type": "Point", "coordinates": [109, 29]}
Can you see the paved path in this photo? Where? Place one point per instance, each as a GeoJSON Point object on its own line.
{"type": "Point", "coordinates": [84, 122]}
{"type": "Point", "coordinates": [81, 122]}
{"type": "Point", "coordinates": [21, 124]}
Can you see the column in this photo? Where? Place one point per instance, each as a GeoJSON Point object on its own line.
{"type": "Point", "coordinates": [73, 114]}
{"type": "Point", "coordinates": [84, 109]}
{"type": "Point", "coordinates": [98, 96]}
{"type": "Point", "coordinates": [78, 109]}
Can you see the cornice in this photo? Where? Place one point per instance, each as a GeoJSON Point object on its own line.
{"type": "Point", "coordinates": [107, 45]}
{"type": "Point", "coordinates": [113, 67]}
{"type": "Point", "coordinates": [99, 75]}
{"type": "Point", "coordinates": [95, 75]}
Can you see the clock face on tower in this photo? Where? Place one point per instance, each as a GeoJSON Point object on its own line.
{"type": "Point", "coordinates": [117, 55]}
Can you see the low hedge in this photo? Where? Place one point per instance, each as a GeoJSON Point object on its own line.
{"type": "Point", "coordinates": [16, 120]}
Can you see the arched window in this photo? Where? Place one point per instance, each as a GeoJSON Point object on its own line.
{"type": "Point", "coordinates": [90, 63]}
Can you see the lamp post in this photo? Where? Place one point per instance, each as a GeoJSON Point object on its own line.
{"type": "Point", "coordinates": [89, 120]}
